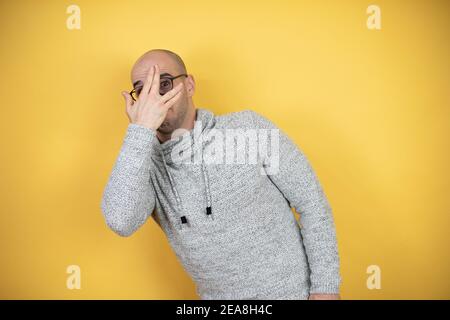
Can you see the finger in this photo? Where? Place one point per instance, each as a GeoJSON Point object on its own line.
{"type": "Point", "coordinates": [155, 83]}
{"type": "Point", "coordinates": [168, 95]}
{"type": "Point", "coordinates": [148, 83]}
{"type": "Point", "coordinates": [172, 101]}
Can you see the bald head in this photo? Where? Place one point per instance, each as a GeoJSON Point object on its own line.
{"type": "Point", "coordinates": [167, 57]}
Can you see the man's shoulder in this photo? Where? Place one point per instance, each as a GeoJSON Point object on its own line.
{"type": "Point", "coordinates": [246, 118]}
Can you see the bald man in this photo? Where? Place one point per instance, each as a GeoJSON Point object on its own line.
{"type": "Point", "coordinates": [230, 223]}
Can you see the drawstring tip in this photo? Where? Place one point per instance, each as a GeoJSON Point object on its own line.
{"type": "Point", "coordinates": [209, 212]}
{"type": "Point", "coordinates": [184, 223]}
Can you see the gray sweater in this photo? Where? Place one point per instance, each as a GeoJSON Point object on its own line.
{"type": "Point", "coordinates": [228, 220]}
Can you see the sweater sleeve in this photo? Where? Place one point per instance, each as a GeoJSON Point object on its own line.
{"type": "Point", "coordinates": [128, 198]}
{"type": "Point", "coordinates": [296, 179]}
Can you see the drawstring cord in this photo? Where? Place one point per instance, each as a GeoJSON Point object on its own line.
{"type": "Point", "coordinates": [208, 193]}
{"type": "Point", "coordinates": [206, 182]}
{"type": "Point", "coordinates": [174, 190]}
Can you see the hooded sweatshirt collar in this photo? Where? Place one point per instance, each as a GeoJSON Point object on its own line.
{"type": "Point", "coordinates": [190, 139]}
{"type": "Point", "coordinates": [193, 140]}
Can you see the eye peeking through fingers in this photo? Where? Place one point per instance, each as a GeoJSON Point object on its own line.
{"type": "Point", "coordinates": [165, 85]}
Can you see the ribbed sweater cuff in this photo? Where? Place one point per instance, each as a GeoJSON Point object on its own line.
{"type": "Point", "coordinates": [139, 132]}
{"type": "Point", "coordinates": [140, 138]}
{"type": "Point", "coordinates": [325, 288]}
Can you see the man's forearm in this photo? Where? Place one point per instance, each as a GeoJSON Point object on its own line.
{"type": "Point", "coordinates": [319, 239]}
{"type": "Point", "coordinates": [128, 198]}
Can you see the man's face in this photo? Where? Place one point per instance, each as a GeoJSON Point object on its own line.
{"type": "Point", "coordinates": [168, 68]}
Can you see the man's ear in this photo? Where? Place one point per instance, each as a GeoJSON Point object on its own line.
{"type": "Point", "coordinates": [190, 85]}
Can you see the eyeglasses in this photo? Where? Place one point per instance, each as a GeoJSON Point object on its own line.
{"type": "Point", "coordinates": [165, 85]}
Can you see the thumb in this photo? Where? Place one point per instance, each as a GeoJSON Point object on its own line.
{"type": "Point", "coordinates": [127, 97]}
{"type": "Point", "coordinates": [128, 101]}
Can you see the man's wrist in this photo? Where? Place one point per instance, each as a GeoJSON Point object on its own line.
{"type": "Point", "coordinates": [324, 296]}
{"type": "Point", "coordinates": [146, 125]}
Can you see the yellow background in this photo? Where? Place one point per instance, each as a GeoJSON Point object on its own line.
{"type": "Point", "coordinates": [369, 108]}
